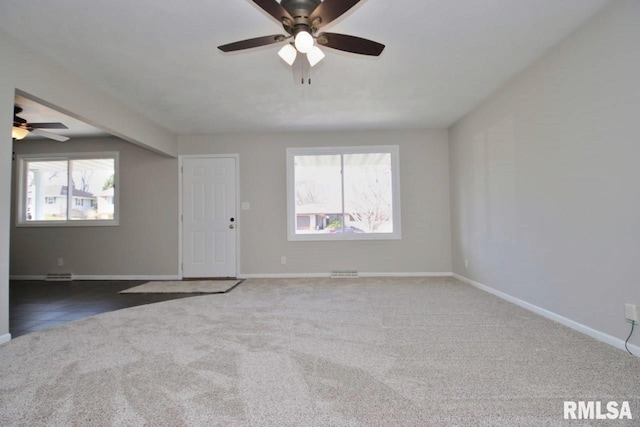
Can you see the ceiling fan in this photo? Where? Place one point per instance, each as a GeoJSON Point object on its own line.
{"type": "Point", "coordinates": [21, 128]}
{"type": "Point", "coordinates": [302, 19]}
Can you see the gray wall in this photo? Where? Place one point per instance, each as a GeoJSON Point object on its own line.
{"type": "Point", "coordinates": [424, 178]}
{"type": "Point", "coordinates": [145, 242]}
{"type": "Point", "coordinates": [545, 178]}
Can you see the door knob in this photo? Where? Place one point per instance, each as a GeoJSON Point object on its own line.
{"type": "Point", "coordinates": [231, 226]}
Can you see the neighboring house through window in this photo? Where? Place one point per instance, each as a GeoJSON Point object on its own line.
{"type": "Point", "coordinates": [343, 193]}
{"type": "Point", "coordinates": [45, 180]}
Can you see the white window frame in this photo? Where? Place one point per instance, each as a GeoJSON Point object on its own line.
{"type": "Point", "coordinates": [21, 181]}
{"type": "Point", "coordinates": [394, 150]}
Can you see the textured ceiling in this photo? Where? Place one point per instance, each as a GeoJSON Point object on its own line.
{"type": "Point", "coordinates": [442, 58]}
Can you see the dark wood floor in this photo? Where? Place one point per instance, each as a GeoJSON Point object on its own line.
{"type": "Point", "coordinates": [36, 305]}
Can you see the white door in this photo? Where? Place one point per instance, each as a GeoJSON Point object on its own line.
{"type": "Point", "coordinates": [209, 222]}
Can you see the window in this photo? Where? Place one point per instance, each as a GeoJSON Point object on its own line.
{"type": "Point", "coordinates": [45, 180]}
{"type": "Point", "coordinates": [343, 193]}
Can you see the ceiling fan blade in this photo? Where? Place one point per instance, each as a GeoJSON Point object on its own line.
{"type": "Point", "coordinates": [273, 8]}
{"type": "Point", "coordinates": [50, 135]}
{"type": "Point", "coordinates": [51, 125]}
{"type": "Point", "coordinates": [329, 10]}
{"type": "Point", "coordinates": [248, 44]}
{"type": "Point", "coordinates": [350, 44]}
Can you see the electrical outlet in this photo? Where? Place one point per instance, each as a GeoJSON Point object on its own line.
{"type": "Point", "coordinates": [283, 260]}
{"type": "Point", "coordinates": [60, 262]}
{"type": "Point", "coordinates": [631, 312]}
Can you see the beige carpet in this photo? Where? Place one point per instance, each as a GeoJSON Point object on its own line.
{"type": "Point", "coordinates": [183, 287]}
{"type": "Point", "coordinates": [380, 352]}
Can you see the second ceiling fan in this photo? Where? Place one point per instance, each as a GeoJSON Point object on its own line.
{"type": "Point", "coordinates": [21, 128]}
{"type": "Point", "coordinates": [302, 19]}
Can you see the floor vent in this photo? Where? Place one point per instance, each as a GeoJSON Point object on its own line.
{"type": "Point", "coordinates": [59, 277]}
{"type": "Point", "coordinates": [343, 274]}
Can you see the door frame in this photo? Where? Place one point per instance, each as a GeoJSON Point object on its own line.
{"type": "Point", "coordinates": [236, 158]}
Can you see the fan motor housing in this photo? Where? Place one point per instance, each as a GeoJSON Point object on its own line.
{"type": "Point", "coordinates": [300, 8]}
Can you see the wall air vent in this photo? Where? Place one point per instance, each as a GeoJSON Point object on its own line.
{"type": "Point", "coordinates": [343, 274]}
{"type": "Point", "coordinates": [59, 277]}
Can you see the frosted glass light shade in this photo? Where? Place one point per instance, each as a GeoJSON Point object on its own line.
{"type": "Point", "coordinates": [288, 54]}
{"type": "Point", "coordinates": [19, 133]}
{"type": "Point", "coordinates": [303, 42]}
{"type": "Point", "coordinates": [315, 55]}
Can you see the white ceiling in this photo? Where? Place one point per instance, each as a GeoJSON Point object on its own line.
{"type": "Point", "coordinates": [442, 58]}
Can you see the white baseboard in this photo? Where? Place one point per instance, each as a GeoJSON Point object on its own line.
{"type": "Point", "coordinates": [282, 275]}
{"type": "Point", "coordinates": [240, 276]}
{"type": "Point", "coordinates": [360, 274]}
{"type": "Point", "coordinates": [405, 274]}
{"type": "Point", "coordinates": [101, 277]}
{"type": "Point", "coordinates": [593, 333]}
{"type": "Point", "coordinates": [5, 338]}
{"type": "Point", "coordinates": [126, 277]}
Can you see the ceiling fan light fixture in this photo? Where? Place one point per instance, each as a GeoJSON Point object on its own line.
{"type": "Point", "coordinates": [315, 55]}
{"type": "Point", "coordinates": [288, 54]}
{"type": "Point", "coordinates": [304, 41]}
{"type": "Point", "coordinates": [19, 133]}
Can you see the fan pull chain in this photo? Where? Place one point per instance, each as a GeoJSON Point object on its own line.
{"type": "Point", "coordinates": [305, 74]}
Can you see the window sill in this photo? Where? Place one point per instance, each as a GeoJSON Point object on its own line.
{"type": "Point", "coordinates": [342, 237]}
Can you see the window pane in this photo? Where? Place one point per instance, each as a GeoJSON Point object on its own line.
{"type": "Point", "coordinates": [92, 181]}
{"type": "Point", "coordinates": [343, 193]}
{"type": "Point", "coordinates": [46, 195]}
{"type": "Point", "coordinates": [368, 193]}
{"type": "Point", "coordinates": [318, 194]}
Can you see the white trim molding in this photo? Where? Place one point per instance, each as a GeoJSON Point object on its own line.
{"type": "Point", "coordinates": [240, 276]}
{"type": "Point", "coordinates": [593, 333]}
{"type": "Point", "coordinates": [407, 274]}
{"type": "Point", "coordinates": [5, 338]}
{"type": "Point", "coordinates": [283, 275]}
{"type": "Point", "coordinates": [327, 275]}
{"type": "Point", "coordinates": [125, 277]}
